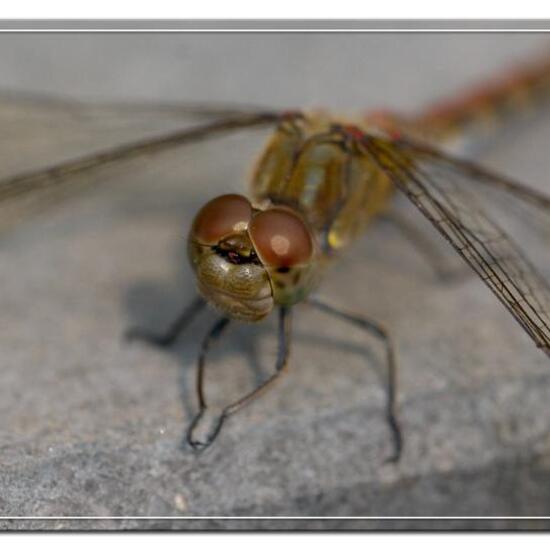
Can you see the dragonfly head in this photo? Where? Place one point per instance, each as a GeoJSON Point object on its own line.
{"type": "Point", "coordinates": [247, 260]}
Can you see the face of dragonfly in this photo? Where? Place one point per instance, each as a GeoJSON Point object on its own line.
{"type": "Point", "coordinates": [248, 260]}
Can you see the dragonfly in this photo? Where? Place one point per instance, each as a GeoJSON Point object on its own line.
{"type": "Point", "coordinates": [318, 184]}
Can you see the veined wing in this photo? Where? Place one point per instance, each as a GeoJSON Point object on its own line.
{"type": "Point", "coordinates": [133, 108]}
{"type": "Point", "coordinates": [26, 183]}
{"type": "Point", "coordinates": [35, 189]}
{"type": "Point", "coordinates": [443, 189]}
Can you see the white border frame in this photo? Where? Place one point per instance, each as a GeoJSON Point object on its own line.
{"type": "Point", "coordinates": [273, 26]}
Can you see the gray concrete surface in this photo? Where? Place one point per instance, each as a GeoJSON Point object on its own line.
{"type": "Point", "coordinates": [92, 426]}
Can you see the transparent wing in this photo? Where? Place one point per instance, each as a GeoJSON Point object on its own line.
{"type": "Point", "coordinates": [56, 135]}
{"type": "Point", "coordinates": [134, 108]}
{"type": "Point", "coordinates": [55, 175]}
{"type": "Point", "coordinates": [446, 191]}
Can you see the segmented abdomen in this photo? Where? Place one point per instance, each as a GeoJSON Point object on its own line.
{"type": "Point", "coordinates": [478, 114]}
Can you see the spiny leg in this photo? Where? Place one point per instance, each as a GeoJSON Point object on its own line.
{"type": "Point", "coordinates": [280, 368]}
{"type": "Point", "coordinates": [174, 330]}
{"type": "Point", "coordinates": [382, 333]}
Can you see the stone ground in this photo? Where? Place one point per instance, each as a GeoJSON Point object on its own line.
{"type": "Point", "coordinates": [92, 427]}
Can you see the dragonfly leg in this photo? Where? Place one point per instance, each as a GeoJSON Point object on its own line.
{"type": "Point", "coordinates": [378, 330]}
{"type": "Point", "coordinates": [444, 271]}
{"type": "Point", "coordinates": [168, 337]}
{"type": "Point", "coordinates": [280, 368]}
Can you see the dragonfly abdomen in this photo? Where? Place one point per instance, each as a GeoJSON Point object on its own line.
{"type": "Point", "coordinates": [477, 115]}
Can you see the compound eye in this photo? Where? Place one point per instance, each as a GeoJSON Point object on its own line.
{"type": "Point", "coordinates": [220, 217]}
{"type": "Point", "coordinates": [281, 238]}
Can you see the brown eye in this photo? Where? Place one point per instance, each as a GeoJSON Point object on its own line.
{"type": "Point", "coordinates": [281, 238]}
{"type": "Point", "coordinates": [221, 217]}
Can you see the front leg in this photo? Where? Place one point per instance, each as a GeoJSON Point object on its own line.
{"type": "Point", "coordinates": [281, 366]}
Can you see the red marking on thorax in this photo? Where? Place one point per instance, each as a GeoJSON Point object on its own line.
{"type": "Point", "coordinates": [291, 114]}
{"type": "Point", "coordinates": [385, 120]}
{"type": "Point", "coordinates": [354, 131]}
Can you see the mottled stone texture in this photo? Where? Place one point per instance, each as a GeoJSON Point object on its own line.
{"type": "Point", "coordinates": [92, 426]}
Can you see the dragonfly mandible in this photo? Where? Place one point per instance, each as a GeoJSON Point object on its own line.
{"type": "Point", "coordinates": [319, 182]}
